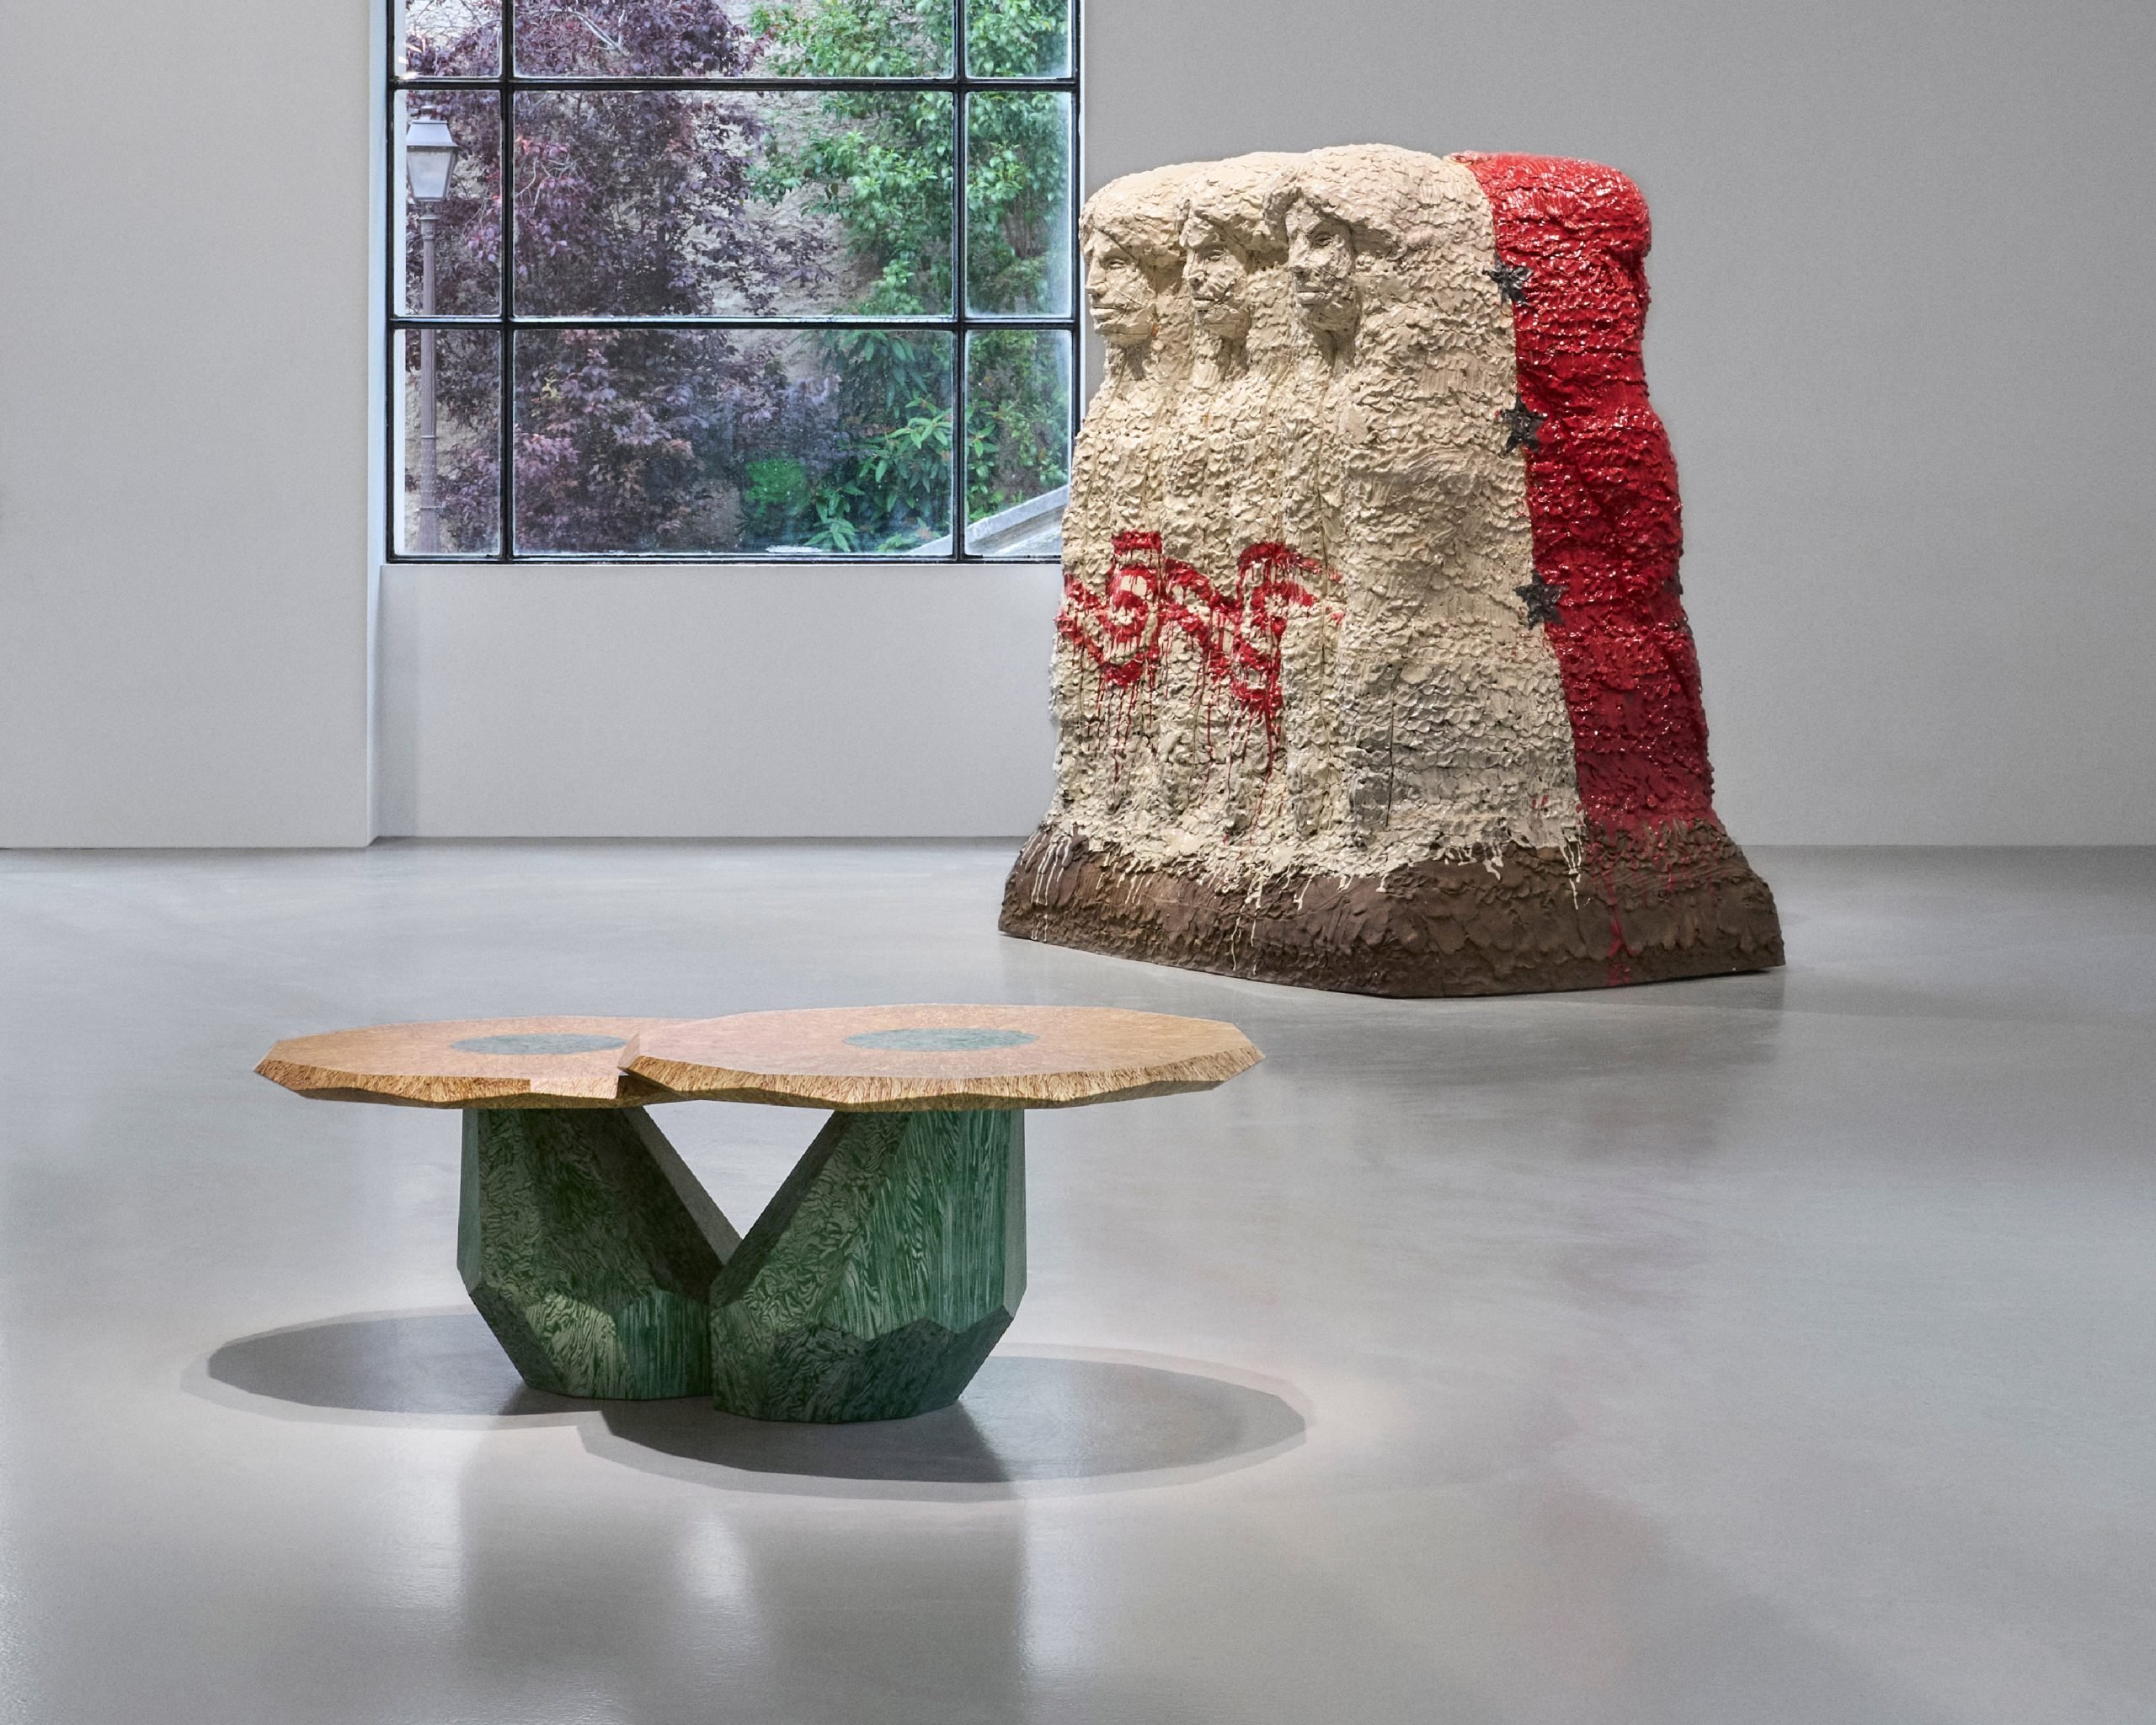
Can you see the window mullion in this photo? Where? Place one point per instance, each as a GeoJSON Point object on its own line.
{"type": "Point", "coordinates": [509, 322]}
{"type": "Point", "coordinates": [506, 358]}
{"type": "Point", "coordinates": [1075, 49]}
{"type": "Point", "coordinates": [960, 356]}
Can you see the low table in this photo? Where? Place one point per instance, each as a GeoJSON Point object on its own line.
{"type": "Point", "coordinates": [879, 1277]}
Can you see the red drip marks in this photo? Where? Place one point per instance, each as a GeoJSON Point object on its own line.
{"type": "Point", "coordinates": [1124, 627]}
{"type": "Point", "coordinates": [1601, 858]}
{"type": "Point", "coordinates": [1119, 628]}
{"type": "Point", "coordinates": [1602, 486]}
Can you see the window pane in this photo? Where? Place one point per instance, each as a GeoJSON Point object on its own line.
{"type": "Point", "coordinates": [449, 453]}
{"type": "Point", "coordinates": [466, 223]}
{"type": "Point", "coordinates": [639, 440]}
{"type": "Point", "coordinates": [449, 38]}
{"type": "Point", "coordinates": [1018, 203]}
{"type": "Point", "coordinates": [658, 202]}
{"type": "Point", "coordinates": [1018, 38]}
{"type": "Point", "coordinates": [1017, 441]}
{"type": "Point", "coordinates": [733, 38]}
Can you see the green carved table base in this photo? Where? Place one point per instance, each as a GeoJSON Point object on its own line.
{"type": "Point", "coordinates": [590, 1248]}
{"type": "Point", "coordinates": [886, 1267]}
{"type": "Point", "coordinates": [873, 1287]}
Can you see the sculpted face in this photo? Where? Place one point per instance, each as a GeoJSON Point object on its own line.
{"type": "Point", "coordinates": [1118, 293]}
{"type": "Point", "coordinates": [1216, 273]}
{"type": "Point", "coordinates": [1322, 264]}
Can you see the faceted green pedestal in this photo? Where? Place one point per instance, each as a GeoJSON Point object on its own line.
{"type": "Point", "coordinates": [590, 1248]}
{"type": "Point", "coordinates": [888, 1266]}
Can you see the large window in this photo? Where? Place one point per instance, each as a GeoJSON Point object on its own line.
{"type": "Point", "coordinates": [774, 278]}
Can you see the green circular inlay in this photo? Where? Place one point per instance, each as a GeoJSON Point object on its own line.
{"type": "Point", "coordinates": [941, 1039]}
{"type": "Point", "coordinates": [540, 1042]}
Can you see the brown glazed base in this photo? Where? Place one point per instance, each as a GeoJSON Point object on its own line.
{"type": "Point", "coordinates": [1679, 902]}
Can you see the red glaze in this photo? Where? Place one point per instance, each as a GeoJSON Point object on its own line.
{"type": "Point", "coordinates": [1602, 489]}
{"type": "Point", "coordinates": [1118, 626]}
{"type": "Point", "coordinates": [1237, 633]}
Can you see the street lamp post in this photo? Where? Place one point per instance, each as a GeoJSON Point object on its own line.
{"type": "Point", "coordinates": [429, 154]}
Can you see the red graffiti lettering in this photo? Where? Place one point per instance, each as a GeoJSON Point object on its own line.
{"type": "Point", "coordinates": [1148, 601]}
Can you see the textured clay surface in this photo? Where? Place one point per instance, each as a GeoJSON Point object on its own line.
{"type": "Point", "coordinates": [1681, 904]}
{"type": "Point", "coordinates": [1372, 671]}
{"type": "Point", "coordinates": [1602, 486]}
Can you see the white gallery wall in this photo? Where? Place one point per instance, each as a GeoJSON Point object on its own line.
{"type": "Point", "coordinates": [682, 702]}
{"type": "Point", "coordinates": [184, 293]}
{"type": "Point", "coordinates": [1904, 336]}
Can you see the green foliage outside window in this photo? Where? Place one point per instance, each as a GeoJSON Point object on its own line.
{"type": "Point", "coordinates": [882, 173]}
{"type": "Point", "coordinates": [649, 441]}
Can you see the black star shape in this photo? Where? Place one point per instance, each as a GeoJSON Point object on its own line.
{"type": "Point", "coordinates": [1512, 280]}
{"type": "Point", "coordinates": [1523, 427]}
{"type": "Point", "coordinates": [1541, 597]}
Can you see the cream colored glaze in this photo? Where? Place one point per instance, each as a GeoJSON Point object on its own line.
{"type": "Point", "coordinates": [1327, 369]}
{"type": "Point", "coordinates": [1134, 291]}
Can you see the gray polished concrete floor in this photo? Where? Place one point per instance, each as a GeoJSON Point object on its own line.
{"type": "Point", "coordinates": [1771, 1348]}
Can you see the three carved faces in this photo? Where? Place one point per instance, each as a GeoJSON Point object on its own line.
{"type": "Point", "coordinates": [1156, 253]}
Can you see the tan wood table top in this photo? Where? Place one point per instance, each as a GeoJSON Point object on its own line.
{"type": "Point", "coordinates": [461, 1063]}
{"type": "Point", "coordinates": [871, 1059]}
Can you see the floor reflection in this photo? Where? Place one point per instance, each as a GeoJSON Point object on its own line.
{"type": "Point", "coordinates": [1027, 1417]}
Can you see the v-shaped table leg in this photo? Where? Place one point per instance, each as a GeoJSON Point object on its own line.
{"type": "Point", "coordinates": [873, 1287]}
{"type": "Point", "coordinates": [590, 1248]}
{"type": "Point", "coordinates": [886, 1267]}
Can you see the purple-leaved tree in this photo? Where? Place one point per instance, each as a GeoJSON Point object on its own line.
{"type": "Point", "coordinates": [625, 202]}
{"type": "Point", "coordinates": [644, 202]}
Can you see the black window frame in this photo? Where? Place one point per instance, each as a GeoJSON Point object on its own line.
{"type": "Point", "coordinates": [507, 84]}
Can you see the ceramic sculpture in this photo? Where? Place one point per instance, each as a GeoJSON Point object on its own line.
{"type": "Point", "coordinates": [1372, 671]}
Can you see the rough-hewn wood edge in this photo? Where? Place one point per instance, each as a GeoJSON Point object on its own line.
{"type": "Point", "coordinates": [857, 1094]}
{"type": "Point", "coordinates": [416, 1091]}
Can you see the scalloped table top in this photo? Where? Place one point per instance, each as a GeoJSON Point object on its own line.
{"type": "Point", "coordinates": [465, 1063]}
{"type": "Point", "coordinates": [885, 1059]}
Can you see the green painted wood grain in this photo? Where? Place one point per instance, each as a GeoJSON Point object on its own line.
{"type": "Point", "coordinates": [882, 1274]}
{"type": "Point", "coordinates": [589, 1250]}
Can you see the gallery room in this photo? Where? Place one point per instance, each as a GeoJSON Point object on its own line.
{"type": "Point", "coordinates": [1077, 863]}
